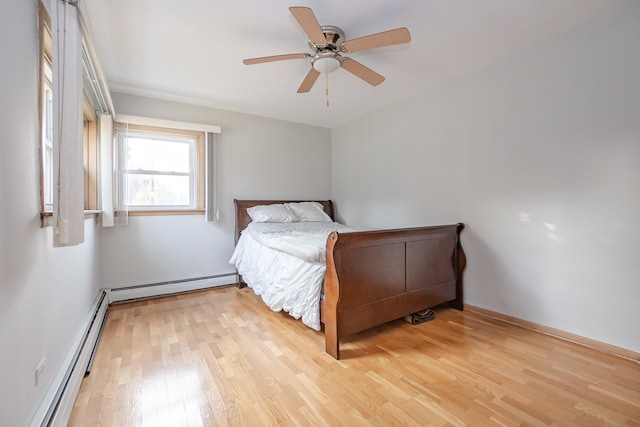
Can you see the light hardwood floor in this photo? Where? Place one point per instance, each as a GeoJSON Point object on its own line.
{"type": "Point", "coordinates": [221, 357]}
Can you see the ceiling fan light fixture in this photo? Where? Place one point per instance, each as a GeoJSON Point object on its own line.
{"type": "Point", "coordinates": [326, 62]}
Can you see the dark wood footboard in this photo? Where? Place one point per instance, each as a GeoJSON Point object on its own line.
{"type": "Point", "coordinates": [374, 277]}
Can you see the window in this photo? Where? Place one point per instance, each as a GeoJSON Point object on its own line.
{"type": "Point", "coordinates": [161, 170]}
{"type": "Point", "coordinates": [47, 136]}
{"type": "Point", "coordinates": [90, 156]}
{"type": "Point", "coordinates": [46, 112]}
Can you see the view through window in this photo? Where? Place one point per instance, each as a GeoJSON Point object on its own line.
{"type": "Point", "coordinates": [163, 169]}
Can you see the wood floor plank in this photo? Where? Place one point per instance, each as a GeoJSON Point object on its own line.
{"type": "Point", "coordinates": [220, 357]}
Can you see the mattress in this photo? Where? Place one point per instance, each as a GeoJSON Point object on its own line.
{"type": "Point", "coordinates": [284, 263]}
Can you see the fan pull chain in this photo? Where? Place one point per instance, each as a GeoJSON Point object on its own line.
{"type": "Point", "coordinates": [327, 89]}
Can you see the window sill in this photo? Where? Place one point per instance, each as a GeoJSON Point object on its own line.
{"type": "Point", "coordinates": [167, 212]}
{"type": "Point", "coordinates": [46, 217]}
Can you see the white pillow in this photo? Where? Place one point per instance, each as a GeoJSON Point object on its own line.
{"type": "Point", "coordinates": [271, 213]}
{"type": "Point", "coordinates": [308, 212]}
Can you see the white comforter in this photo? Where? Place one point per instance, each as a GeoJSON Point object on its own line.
{"type": "Point", "coordinates": [284, 263]}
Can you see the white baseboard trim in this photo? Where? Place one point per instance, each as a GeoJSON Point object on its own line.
{"type": "Point", "coordinates": [57, 405]}
{"type": "Point", "coordinates": [171, 287]}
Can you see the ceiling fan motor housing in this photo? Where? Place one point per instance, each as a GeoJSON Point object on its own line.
{"type": "Point", "coordinates": [334, 36]}
{"type": "Point", "coordinates": [327, 59]}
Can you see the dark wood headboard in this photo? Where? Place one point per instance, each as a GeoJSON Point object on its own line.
{"type": "Point", "coordinates": [243, 219]}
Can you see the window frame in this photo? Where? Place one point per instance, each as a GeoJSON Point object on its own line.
{"type": "Point", "coordinates": [45, 119]}
{"type": "Point", "coordinates": [198, 171]}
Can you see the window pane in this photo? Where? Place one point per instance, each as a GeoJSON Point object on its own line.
{"type": "Point", "coordinates": [47, 139]}
{"type": "Point", "coordinates": [47, 165]}
{"type": "Point", "coordinates": [159, 155]}
{"type": "Point", "coordinates": [157, 190]}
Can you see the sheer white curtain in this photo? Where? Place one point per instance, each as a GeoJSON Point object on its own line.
{"type": "Point", "coordinates": [113, 206]}
{"type": "Point", "coordinates": [68, 169]}
{"type": "Point", "coordinates": [211, 201]}
{"type": "Point", "coordinates": [107, 176]}
{"type": "Point", "coordinates": [120, 168]}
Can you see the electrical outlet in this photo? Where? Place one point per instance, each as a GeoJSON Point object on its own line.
{"type": "Point", "coordinates": [40, 371]}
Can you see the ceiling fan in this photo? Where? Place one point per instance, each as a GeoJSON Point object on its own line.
{"type": "Point", "coordinates": [329, 45]}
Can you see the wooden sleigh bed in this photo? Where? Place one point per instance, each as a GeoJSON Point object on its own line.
{"type": "Point", "coordinates": [373, 277]}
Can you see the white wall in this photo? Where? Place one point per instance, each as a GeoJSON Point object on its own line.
{"type": "Point", "coordinates": [540, 157]}
{"type": "Point", "coordinates": [258, 158]}
{"type": "Point", "coordinates": [45, 293]}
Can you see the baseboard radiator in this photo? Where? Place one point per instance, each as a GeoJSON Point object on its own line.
{"type": "Point", "coordinates": [58, 403]}
{"type": "Point", "coordinates": [171, 287]}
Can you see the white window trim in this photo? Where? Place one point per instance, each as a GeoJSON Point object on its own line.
{"type": "Point", "coordinates": [171, 124]}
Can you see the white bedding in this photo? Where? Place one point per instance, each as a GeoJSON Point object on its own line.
{"type": "Point", "coordinates": [284, 263]}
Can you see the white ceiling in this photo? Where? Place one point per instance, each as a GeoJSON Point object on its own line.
{"type": "Point", "coordinates": [192, 51]}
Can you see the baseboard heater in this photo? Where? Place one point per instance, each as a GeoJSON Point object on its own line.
{"type": "Point", "coordinates": [95, 345]}
{"type": "Point", "coordinates": [171, 287]}
{"type": "Point", "coordinates": [58, 403]}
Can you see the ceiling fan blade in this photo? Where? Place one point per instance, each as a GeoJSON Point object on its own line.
{"type": "Point", "coordinates": [386, 38]}
{"type": "Point", "coordinates": [263, 59]}
{"type": "Point", "coordinates": [307, 20]}
{"type": "Point", "coordinates": [359, 70]}
{"type": "Point", "coordinates": [309, 80]}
